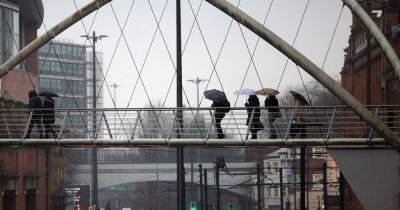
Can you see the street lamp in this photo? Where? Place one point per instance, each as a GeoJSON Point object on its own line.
{"type": "Point", "coordinates": [94, 39]}
{"type": "Point", "coordinates": [115, 86]}
{"type": "Point", "coordinates": [197, 82]}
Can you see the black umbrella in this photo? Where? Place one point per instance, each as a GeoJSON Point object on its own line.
{"type": "Point", "coordinates": [48, 94]}
{"type": "Point", "coordinates": [215, 95]}
{"type": "Point", "coordinates": [299, 97]}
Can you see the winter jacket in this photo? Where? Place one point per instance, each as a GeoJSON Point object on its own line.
{"type": "Point", "coordinates": [48, 111]}
{"type": "Point", "coordinates": [253, 105]}
{"type": "Point", "coordinates": [35, 104]}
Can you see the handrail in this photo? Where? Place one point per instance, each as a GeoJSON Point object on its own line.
{"type": "Point", "coordinates": [328, 125]}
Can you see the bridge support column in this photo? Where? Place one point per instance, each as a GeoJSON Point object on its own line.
{"type": "Point", "coordinates": [373, 175]}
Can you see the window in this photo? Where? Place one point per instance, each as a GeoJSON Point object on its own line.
{"type": "Point", "coordinates": [9, 32]}
{"type": "Point", "coordinates": [59, 84]}
{"type": "Point", "coordinates": [46, 83]}
{"type": "Point", "coordinates": [276, 191]}
{"type": "Point", "coordinates": [41, 83]}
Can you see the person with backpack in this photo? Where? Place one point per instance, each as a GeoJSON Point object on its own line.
{"type": "Point", "coordinates": [253, 115]}
{"type": "Point", "coordinates": [48, 116]}
{"type": "Point", "coordinates": [221, 108]}
{"type": "Point", "coordinates": [35, 105]}
{"type": "Point", "coordinates": [272, 105]}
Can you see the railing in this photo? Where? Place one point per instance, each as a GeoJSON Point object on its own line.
{"type": "Point", "coordinates": [334, 125]}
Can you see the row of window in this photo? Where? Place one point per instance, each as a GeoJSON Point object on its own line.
{"type": "Point", "coordinates": [63, 49]}
{"type": "Point", "coordinates": [274, 191]}
{"type": "Point", "coordinates": [70, 69]}
{"type": "Point", "coordinates": [69, 102]}
{"type": "Point", "coordinates": [77, 87]}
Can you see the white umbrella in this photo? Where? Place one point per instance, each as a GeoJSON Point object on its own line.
{"type": "Point", "coordinates": [245, 91]}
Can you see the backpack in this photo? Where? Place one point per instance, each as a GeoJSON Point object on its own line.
{"type": "Point", "coordinates": [227, 107]}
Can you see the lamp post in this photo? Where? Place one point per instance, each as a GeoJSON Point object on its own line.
{"type": "Point", "coordinates": [115, 86]}
{"type": "Point", "coordinates": [94, 39]}
{"type": "Point", "coordinates": [197, 82]}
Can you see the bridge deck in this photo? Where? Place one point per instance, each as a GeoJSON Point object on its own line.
{"type": "Point", "coordinates": [349, 142]}
{"type": "Point", "coordinates": [294, 126]}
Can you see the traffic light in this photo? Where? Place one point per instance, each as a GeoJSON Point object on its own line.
{"type": "Point", "coordinates": [231, 206]}
{"type": "Point", "coordinates": [193, 205]}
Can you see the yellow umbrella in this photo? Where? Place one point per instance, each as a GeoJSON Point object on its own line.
{"type": "Point", "coordinates": [267, 91]}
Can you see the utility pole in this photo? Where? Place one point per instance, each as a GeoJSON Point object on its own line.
{"type": "Point", "coordinates": [218, 206]}
{"type": "Point", "coordinates": [205, 190]}
{"type": "Point", "coordinates": [219, 163]}
{"type": "Point", "coordinates": [179, 103]}
{"type": "Point", "coordinates": [258, 186]}
{"type": "Point", "coordinates": [281, 187]}
{"type": "Point", "coordinates": [325, 184]}
{"type": "Point", "coordinates": [201, 186]}
{"type": "Point", "coordinates": [197, 82]}
{"type": "Point", "coordinates": [94, 39]}
{"type": "Point", "coordinates": [303, 178]}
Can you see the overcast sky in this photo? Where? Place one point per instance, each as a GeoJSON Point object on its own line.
{"type": "Point", "coordinates": [158, 71]}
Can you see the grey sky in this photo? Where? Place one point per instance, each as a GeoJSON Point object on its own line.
{"type": "Point", "coordinates": [158, 71]}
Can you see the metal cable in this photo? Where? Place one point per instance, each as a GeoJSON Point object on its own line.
{"type": "Point", "coordinates": [294, 41]}
{"type": "Point", "coordinates": [329, 48]}
{"type": "Point", "coordinates": [136, 67]}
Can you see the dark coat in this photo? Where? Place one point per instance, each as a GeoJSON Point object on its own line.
{"type": "Point", "coordinates": [35, 104]}
{"type": "Point", "coordinates": [221, 108]}
{"type": "Point", "coordinates": [48, 111]}
{"type": "Point", "coordinates": [271, 102]}
{"type": "Point", "coordinates": [253, 105]}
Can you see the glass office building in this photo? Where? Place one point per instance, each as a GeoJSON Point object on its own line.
{"type": "Point", "coordinates": [9, 30]}
{"type": "Point", "coordinates": [62, 70]}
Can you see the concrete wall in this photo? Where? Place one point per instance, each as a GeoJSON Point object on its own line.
{"type": "Point", "coordinates": [373, 175]}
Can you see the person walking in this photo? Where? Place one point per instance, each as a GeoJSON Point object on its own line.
{"type": "Point", "coordinates": [35, 106]}
{"type": "Point", "coordinates": [253, 115]}
{"type": "Point", "coordinates": [48, 116]}
{"type": "Point", "coordinates": [272, 105]}
{"type": "Point", "coordinates": [299, 124]}
{"type": "Point", "coordinates": [221, 108]}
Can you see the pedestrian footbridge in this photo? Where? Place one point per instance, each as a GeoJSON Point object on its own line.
{"type": "Point", "coordinates": [330, 126]}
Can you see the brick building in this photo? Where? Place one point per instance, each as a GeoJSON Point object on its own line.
{"type": "Point", "coordinates": [366, 73]}
{"type": "Point", "coordinates": [29, 177]}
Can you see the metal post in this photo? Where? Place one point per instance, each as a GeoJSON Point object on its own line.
{"type": "Point", "coordinates": [94, 150]}
{"type": "Point", "coordinates": [217, 194]}
{"type": "Point", "coordinates": [94, 39]}
{"type": "Point", "coordinates": [294, 179]}
{"type": "Point", "coordinates": [369, 67]}
{"type": "Point", "coordinates": [205, 190]}
{"type": "Point", "coordinates": [258, 186]}
{"type": "Point", "coordinates": [341, 190]}
{"type": "Point", "coordinates": [179, 102]}
{"type": "Point", "coordinates": [325, 184]}
{"type": "Point", "coordinates": [281, 187]}
{"type": "Point", "coordinates": [201, 186]}
{"type": "Point", "coordinates": [303, 178]}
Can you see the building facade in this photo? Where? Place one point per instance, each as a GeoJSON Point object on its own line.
{"type": "Point", "coordinates": [28, 180]}
{"type": "Point", "coordinates": [62, 67]}
{"type": "Point", "coordinates": [366, 73]}
{"type": "Point", "coordinates": [19, 24]}
{"type": "Point", "coordinates": [288, 160]}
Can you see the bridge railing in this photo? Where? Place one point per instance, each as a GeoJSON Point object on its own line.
{"type": "Point", "coordinates": [323, 123]}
